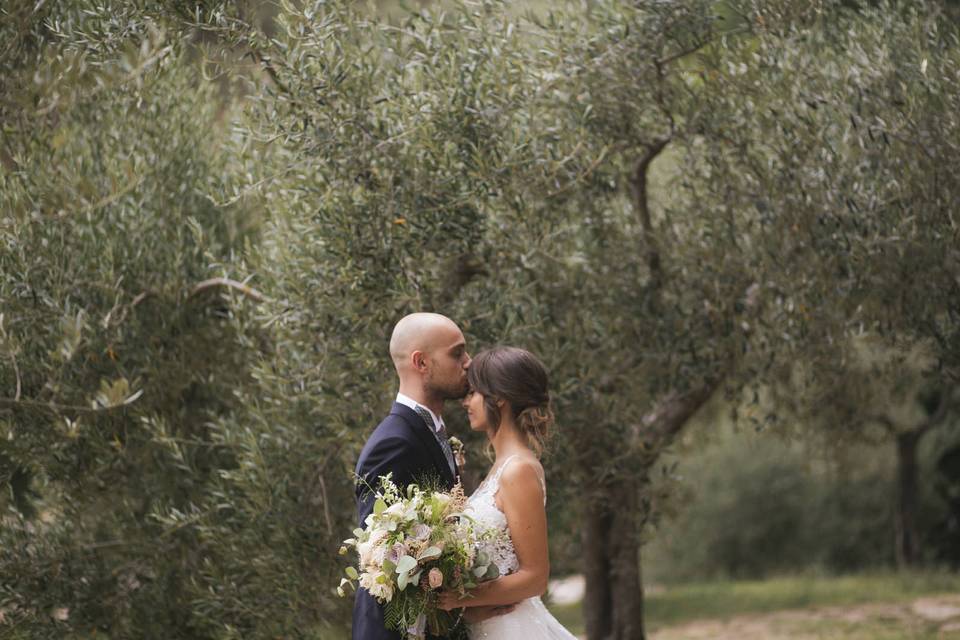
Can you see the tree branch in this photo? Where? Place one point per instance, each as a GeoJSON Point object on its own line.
{"type": "Point", "coordinates": [264, 61]}
{"type": "Point", "coordinates": [212, 283]}
{"type": "Point", "coordinates": [583, 174]}
{"type": "Point", "coordinates": [939, 415]}
{"type": "Point", "coordinates": [660, 426]}
{"type": "Point", "coordinates": [661, 101]}
{"type": "Point", "coordinates": [682, 54]}
{"type": "Point", "coordinates": [884, 420]}
{"type": "Point", "coordinates": [57, 408]}
{"type": "Point", "coordinates": [16, 371]}
{"type": "Point", "coordinates": [113, 197]}
{"type": "Point", "coordinates": [642, 204]}
{"type": "Point", "coordinates": [326, 506]}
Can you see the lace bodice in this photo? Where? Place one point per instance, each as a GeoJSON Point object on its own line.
{"type": "Point", "coordinates": [530, 619]}
{"type": "Point", "coordinates": [482, 507]}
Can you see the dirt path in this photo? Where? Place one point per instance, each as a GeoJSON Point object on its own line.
{"type": "Point", "coordinates": [930, 617]}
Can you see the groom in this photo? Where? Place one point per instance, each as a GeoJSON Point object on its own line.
{"type": "Point", "coordinates": [431, 359]}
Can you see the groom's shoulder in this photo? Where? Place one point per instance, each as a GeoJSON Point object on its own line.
{"type": "Point", "coordinates": [396, 424]}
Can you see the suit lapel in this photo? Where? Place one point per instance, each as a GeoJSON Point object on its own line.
{"type": "Point", "coordinates": [427, 439]}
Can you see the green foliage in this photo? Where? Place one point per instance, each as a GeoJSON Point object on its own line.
{"type": "Point", "coordinates": [862, 110]}
{"type": "Point", "coordinates": [748, 506]}
{"type": "Point", "coordinates": [111, 366]}
{"type": "Point", "coordinates": [656, 200]}
{"type": "Point", "coordinates": [760, 507]}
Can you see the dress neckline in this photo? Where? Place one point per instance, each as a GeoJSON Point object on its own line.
{"type": "Point", "coordinates": [495, 478]}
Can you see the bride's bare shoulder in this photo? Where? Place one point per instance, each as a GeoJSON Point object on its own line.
{"type": "Point", "coordinates": [523, 472]}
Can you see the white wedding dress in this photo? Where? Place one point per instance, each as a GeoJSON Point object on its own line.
{"type": "Point", "coordinates": [530, 620]}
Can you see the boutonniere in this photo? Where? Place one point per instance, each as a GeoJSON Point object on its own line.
{"type": "Point", "coordinates": [458, 451]}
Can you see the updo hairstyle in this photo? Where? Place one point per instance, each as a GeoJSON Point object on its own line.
{"type": "Point", "coordinates": [517, 377]}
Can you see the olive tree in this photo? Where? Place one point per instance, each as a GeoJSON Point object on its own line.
{"type": "Point", "coordinates": [496, 169]}
{"type": "Point", "coordinates": [112, 328]}
{"type": "Point", "coordinates": [861, 107]}
{"type": "Point", "coordinates": [664, 201]}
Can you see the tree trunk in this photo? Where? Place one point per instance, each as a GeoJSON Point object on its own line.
{"type": "Point", "coordinates": [907, 489]}
{"type": "Point", "coordinates": [938, 405]}
{"type": "Point", "coordinates": [613, 602]}
{"type": "Point", "coordinates": [597, 601]}
{"type": "Point", "coordinates": [625, 557]}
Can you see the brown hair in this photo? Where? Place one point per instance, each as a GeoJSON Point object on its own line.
{"type": "Point", "coordinates": [517, 377]}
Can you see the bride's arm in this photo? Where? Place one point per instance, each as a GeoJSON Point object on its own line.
{"type": "Point", "coordinates": [521, 495]}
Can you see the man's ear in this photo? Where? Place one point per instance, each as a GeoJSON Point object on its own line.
{"type": "Point", "coordinates": [419, 360]}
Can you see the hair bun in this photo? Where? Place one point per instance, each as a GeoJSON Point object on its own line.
{"type": "Point", "coordinates": [534, 423]}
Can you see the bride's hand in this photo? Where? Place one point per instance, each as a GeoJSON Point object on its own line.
{"type": "Point", "coordinates": [449, 600]}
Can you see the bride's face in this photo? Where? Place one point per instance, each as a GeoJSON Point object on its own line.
{"type": "Point", "coordinates": [476, 412]}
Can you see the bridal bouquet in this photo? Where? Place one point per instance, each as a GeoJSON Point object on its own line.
{"type": "Point", "coordinates": [415, 545]}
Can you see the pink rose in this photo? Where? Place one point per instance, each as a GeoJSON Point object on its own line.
{"type": "Point", "coordinates": [436, 578]}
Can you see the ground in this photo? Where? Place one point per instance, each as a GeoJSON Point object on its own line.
{"type": "Point", "coordinates": [881, 606]}
{"type": "Point", "coordinates": [936, 617]}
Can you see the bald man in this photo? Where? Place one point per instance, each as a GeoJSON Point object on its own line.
{"type": "Point", "coordinates": [430, 355]}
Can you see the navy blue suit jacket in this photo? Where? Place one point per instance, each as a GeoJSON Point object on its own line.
{"type": "Point", "coordinates": [402, 445]}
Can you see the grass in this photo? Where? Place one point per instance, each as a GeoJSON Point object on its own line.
{"type": "Point", "coordinates": [878, 629]}
{"type": "Point", "coordinates": [697, 601]}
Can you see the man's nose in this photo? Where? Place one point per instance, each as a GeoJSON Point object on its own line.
{"type": "Point", "coordinates": [469, 360]}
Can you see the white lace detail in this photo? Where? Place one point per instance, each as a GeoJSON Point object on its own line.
{"type": "Point", "coordinates": [530, 620]}
{"type": "Point", "coordinates": [482, 507]}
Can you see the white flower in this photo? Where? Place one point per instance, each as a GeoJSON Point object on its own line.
{"type": "Point", "coordinates": [367, 577]}
{"type": "Point", "coordinates": [379, 554]}
{"type": "Point", "coordinates": [440, 502]}
{"type": "Point", "coordinates": [382, 591]}
{"type": "Point", "coordinates": [378, 584]}
{"type": "Point", "coordinates": [377, 535]}
{"type": "Point", "coordinates": [365, 550]}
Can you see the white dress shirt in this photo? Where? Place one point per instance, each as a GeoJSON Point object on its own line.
{"type": "Point", "coordinates": [413, 404]}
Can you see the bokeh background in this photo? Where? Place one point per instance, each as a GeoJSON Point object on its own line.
{"type": "Point", "coordinates": [729, 228]}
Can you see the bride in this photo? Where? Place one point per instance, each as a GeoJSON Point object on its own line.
{"type": "Point", "coordinates": [508, 399]}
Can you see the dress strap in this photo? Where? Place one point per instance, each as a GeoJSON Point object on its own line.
{"type": "Point", "coordinates": [496, 478]}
